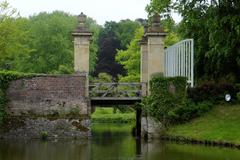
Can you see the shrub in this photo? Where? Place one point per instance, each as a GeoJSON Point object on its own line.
{"type": "Point", "coordinates": [44, 135]}
{"type": "Point", "coordinates": [210, 91]}
{"type": "Point", "coordinates": [167, 94]}
{"type": "Point", "coordinates": [189, 111]}
{"type": "Point", "coordinates": [168, 101]}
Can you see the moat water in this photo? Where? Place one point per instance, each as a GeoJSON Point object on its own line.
{"type": "Point", "coordinates": [111, 142]}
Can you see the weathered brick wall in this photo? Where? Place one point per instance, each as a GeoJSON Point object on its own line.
{"type": "Point", "coordinates": [47, 95]}
{"type": "Point", "coordinates": [53, 105]}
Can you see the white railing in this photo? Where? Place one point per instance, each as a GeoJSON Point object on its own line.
{"type": "Point", "coordinates": [179, 60]}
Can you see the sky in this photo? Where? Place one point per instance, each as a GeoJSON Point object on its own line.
{"type": "Point", "coordinates": [99, 10]}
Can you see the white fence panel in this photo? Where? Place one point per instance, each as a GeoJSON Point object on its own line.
{"type": "Point", "coordinates": [179, 60]}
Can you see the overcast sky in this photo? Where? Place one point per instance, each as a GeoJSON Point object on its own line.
{"type": "Point", "coordinates": [99, 10]}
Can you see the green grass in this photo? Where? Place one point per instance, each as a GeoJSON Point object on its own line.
{"type": "Point", "coordinates": [220, 124]}
{"type": "Point", "coordinates": [106, 115]}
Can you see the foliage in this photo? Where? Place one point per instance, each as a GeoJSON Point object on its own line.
{"type": "Point", "coordinates": [171, 28]}
{"type": "Point", "coordinates": [102, 77]}
{"type": "Point", "coordinates": [94, 48]}
{"type": "Point", "coordinates": [125, 31]}
{"type": "Point", "coordinates": [114, 36]}
{"type": "Point", "coordinates": [217, 39]}
{"type": "Point", "coordinates": [189, 111]}
{"type": "Point", "coordinates": [52, 42]}
{"type": "Point", "coordinates": [41, 43]}
{"type": "Point", "coordinates": [107, 115]}
{"type": "Point", "coordinates": [130, 58]}
{"type": "Point", "coordinates": [6, 11]}
{"type": "Point", "coordinates": [12, 38]}
{"type": "Point", "coordinates": [164, 8]}
{"type": "Point", "coordinates": [168, 101]}
{"type": "Point", "coordinates": [44, 135]}
{"type": "Point", "coordinates": [167, 95]}
{"type": "Point", "coordinates": [215, 28]}
{"type": "Point", "coordinates": [160, 7]}
{"type": "Point", "coordinates": [5, 78]}
{"type": "Point", "coordinates": [211, 91]}
{"type": "Point", "coordinates": [62, 69]}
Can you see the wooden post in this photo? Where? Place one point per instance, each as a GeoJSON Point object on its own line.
{"type": "Point", "coordinates": [138, 121]}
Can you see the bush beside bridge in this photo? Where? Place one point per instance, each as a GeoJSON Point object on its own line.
{"type": "Point", "coordinates": [168, 102]}
{"type": "Point", "coordinates": [171, 102]}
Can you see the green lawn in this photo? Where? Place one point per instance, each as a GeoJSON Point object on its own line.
{"type": "Point", "coordinates": [220, 124]}
{"type": "Point", "coordinates": [106, 115]}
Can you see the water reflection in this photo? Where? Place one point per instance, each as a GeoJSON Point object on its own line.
{"type": "Point", "coordinates": [111, 142]}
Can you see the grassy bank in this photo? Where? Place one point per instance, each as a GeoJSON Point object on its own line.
{"type": "Point", "coordinates": [106, 115]}
{"type": "Point", "coordinates": [221, 124]}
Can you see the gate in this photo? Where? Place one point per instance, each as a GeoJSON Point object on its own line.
{"type": "Point", "coordinates": [179, 60]}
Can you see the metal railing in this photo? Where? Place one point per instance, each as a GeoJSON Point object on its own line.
{"type": "Point", "coordinates": [179, 60]}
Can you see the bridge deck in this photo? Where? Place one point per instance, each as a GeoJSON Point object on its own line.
{"type": "Point", "coordinates": [109, 101]}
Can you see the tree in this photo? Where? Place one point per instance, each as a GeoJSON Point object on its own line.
{"type": "Point", "coordinates": [114, 36]}
{"type": "Point", "coordinates": [214, 25]}
{"type": "Point", "coordinates": [6, 11]}
{"type": "Point", "coordinates": [51, 41]}
{"type": "Point", "coordinates": [125, 31]}
{"type": "Point", "coordinates": [12, 38]}
{"type": "Point", "coordinates": [130, 58]}
{"type": "Point", "coordinates": [108, 44]}
{"type": "Point", "coordinates": [215, 29]}
{"type": "Point", "coordinates": [162, 7]}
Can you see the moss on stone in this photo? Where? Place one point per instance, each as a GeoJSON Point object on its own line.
{"type": "Point", "coordinates": [79, 126]}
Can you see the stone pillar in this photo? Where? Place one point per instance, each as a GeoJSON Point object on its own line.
{"type": "Point", "coordinates": [144, 65]}
{"type": "Point", "coordinates": [152, 62]}
{"type": "Point", "coordinates": [155, 42]}
{"type": "Point", "coordinates": [81, 41]}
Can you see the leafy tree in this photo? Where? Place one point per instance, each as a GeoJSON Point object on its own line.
{"type": "Point", "coordinates": [215, 29]}
{"type": "Point", "coordinates": [130, 58]}
{"type": "Point", "coordinates": [108, 43]}
{"type": "Point", "coordinates": [12, 38]}
{"type": "Point", "coordinates": [51, 41]}
{"type": "Point", "coordinates": [125, 31]}
{"type": "Point", "coordinates": [214, 25]}
{"type": "Point", "coordinates": [162, 7]}
{"type": "Point", "coordinates": [172, 31]}
{"type": "Point", "coordinates": [114, 36]}
{"type": "Point", "coordinates": [6, 11]}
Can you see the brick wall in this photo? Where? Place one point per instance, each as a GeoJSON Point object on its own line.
{"type": "Point", "coordinates": [48, 95]}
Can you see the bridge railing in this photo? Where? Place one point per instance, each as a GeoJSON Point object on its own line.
{"type": "Point", "coordinates": [117, 90]}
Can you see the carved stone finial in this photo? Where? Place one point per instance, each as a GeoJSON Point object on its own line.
{"type": "Point", "coordinates": [156, 18]}
{"type": "Point", "coordinates": [81, 22]}
{"type": "Point", "coordinates": [81, 27]}
{"type": "Point", "coordinates": [82, 18]}
{"type": "Point", "coordinates": [155, 26]}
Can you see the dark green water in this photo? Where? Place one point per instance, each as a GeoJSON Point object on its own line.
{"type": "Point", "coordinates": [111, 142]}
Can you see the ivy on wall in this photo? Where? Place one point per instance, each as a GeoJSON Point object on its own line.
{"type": "Point", "coordinates": [168, 102]}
{"type": "Point", "coordinates": [5, 78]}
